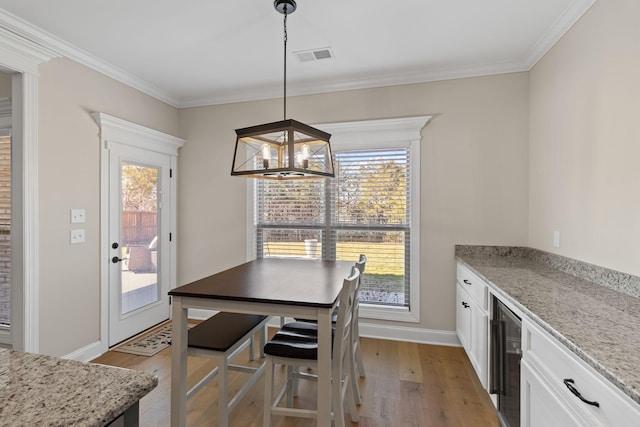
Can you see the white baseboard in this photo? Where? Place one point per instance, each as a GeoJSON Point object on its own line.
{"type": "Point", "coordinates": [86, 353]}
{"type": "Point", "coordinates": [402, 333]}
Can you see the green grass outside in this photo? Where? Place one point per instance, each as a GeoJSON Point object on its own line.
{"type": "Point", "coordinates": [382, 258]}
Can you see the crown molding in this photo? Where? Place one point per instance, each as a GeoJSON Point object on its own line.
{"type": "Point", "coordinates": [382, 80]}
{"type": "Point", "coordinates": [555, 32]}
{"type": "Point", "coordinates": [558, 29]}
{"type": "Point", "coordinates": [21, 54]}
{"type": "Point", "coordinates": [58, 47]}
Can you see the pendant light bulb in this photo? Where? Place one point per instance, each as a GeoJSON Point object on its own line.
{"type": "Point", "coordinates": [304, 150]}
{"type": "Point", "coordinates": [266, 155]}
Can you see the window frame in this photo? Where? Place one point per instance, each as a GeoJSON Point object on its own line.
{"type": "Point", "coordinates": [363, 135]}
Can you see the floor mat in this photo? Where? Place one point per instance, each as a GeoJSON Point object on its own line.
{"type": "Point", "coordinates": [148, 343]}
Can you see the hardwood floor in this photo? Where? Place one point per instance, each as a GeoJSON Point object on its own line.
{"type": "Point", "coordinates": [407, 384]}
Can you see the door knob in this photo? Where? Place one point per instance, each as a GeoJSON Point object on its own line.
{"type": "Point", "coordinates": [116, 260]}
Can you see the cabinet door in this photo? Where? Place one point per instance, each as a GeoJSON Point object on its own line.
{"type": "Point", "coordinates": [555, 364]}
{"type": "Point", "coordinates": [478, 353]}
{"type": "Point", "coordinates": [540, 407]}
{"type": "Point", "coordinates": [463, 318]}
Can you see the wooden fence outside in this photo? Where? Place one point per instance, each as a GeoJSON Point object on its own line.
{"type": "Point", "coordinates": [138, 227]}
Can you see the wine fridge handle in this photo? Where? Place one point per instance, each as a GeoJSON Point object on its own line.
{"type": "Point", "coordinates": [494, 358]}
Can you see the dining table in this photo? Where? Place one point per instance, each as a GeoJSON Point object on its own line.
{"type": "Point", "coordinates": [285, 287]}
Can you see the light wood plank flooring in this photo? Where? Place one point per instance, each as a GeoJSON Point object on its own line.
{"type": "Point", "coordinates": [407, 384]}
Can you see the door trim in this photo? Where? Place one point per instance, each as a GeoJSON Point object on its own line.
{"type": "Point", "coordinates": [113, 129]}
{"type": "Point", "coordinates": [23, 56]}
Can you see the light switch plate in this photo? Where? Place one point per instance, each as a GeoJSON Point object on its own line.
{"type": "Point", "coordinates": [78, 216]}
{"type": "Point", "coordinates": [77, 236]}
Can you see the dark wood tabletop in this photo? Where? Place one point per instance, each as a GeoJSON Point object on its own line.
{"type": "Point", "coordinates": [279, 281]}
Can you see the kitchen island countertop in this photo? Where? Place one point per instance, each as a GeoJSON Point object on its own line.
{"type": "Point", "coordinates": [597, 323]}
{"type": "Point", "coordinates": [38, 390]}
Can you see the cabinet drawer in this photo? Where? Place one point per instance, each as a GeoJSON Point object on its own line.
{"type": "Point", "coordinates": [558, 365]}
{"type": "Point", "coordinates": [474, 286]}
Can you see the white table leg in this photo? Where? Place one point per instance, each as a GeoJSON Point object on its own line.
{"type": "Point", "coordinates": [324, 367]}
{"type": "Point", "coordinates": [178, 364]}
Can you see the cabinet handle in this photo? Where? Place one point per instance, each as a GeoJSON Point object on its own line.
{"type": "Point", "coordinates": [570, 385]}
{"type": "Point", "coordinates": [467, 282]}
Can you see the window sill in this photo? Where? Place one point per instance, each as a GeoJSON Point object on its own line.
{"type": "Point", "coordinates": [383, 312]}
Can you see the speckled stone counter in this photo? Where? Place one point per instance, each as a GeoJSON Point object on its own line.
{"type": "Point", "coordinates": [597, 319]}
{"type": "Point", "coordinates": [38, 390]}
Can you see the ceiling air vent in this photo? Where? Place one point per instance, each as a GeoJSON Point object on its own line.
{"type": "Point", "coordinates": [314, 54]}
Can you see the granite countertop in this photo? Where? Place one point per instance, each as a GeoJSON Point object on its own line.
{"type": "Point", "coordinates": [37, 390]}
{"type": "Point", "coordinates": [599, 322]}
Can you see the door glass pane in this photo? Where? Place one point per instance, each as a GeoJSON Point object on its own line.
{"type": "Point", "coordinates": [139, 233]}
{"type": "Point", "coordinates": [5, 229]}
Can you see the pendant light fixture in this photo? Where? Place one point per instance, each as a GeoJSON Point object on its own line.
{"type": "Point", "coordinates": [286, 149]}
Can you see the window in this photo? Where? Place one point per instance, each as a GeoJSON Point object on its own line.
{"type": "Point", "coordinates": [366, 209]}
{"type": "Point", "coordinates": [5, 219]}
{"type": "Point", "coordinates": [5, 227]}
{"type": "Point", "coordinates": [371, 207]}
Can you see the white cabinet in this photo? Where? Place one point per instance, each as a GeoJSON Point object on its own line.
{"type": "Point", "coordinates": [557, 387]}
{"type": "Point", "coordinates": [472, 321]}
{"type": "Point", "coordinates": [540, 407]}
{"type": "Point", "coordinates": [463, 318]}
{"type": "Point", "coordinates": [570, 391]}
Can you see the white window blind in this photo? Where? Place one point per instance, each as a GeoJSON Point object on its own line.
{"type": "Point", "coordinates": [365, 209]}
{"type": "Point", "coordinates": [5, 229]}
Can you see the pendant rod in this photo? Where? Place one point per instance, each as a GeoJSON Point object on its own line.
{"type": "Point", "coordinates": [285, 62]}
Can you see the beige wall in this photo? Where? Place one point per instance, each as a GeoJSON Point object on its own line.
{"type": "Point", "coordinates": [473, 186]}
{"type": "Point", "coordinates": [585, 140]}
{"type": "Point", "coordinates": [69, 177]}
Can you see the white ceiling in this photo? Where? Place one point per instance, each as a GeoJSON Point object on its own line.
{"type": "Point", "coordinates": [197, 52]}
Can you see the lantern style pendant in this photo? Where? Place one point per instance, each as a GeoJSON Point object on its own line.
{"type": "Point", "coordinates": [282, 150]}
{"type": "Point", "coordinates": [286, 149]}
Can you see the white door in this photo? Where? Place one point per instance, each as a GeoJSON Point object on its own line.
{"type": "Point", "coordinates": [139, 234]}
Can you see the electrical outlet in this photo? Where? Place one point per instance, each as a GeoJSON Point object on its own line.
{"type": "Point", "coordinates": [77, 236]}
{"type": "Point", "coordinates": [556, 239]}
{"type": "Point", "coordinates": [78, 216]}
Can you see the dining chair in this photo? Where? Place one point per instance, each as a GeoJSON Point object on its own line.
{"type": "Point", "coordinates": [356, 366]}
{"type": "Point", "coordinates": [296, 350]}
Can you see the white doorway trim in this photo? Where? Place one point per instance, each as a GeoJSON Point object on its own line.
{"type": "Point", "coordinates": [113, 129]}
{"type": "Point", "coordinates": [22, 56]}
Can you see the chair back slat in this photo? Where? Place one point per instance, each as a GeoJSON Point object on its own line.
{"type": "Point", "coordinates": [360, 265]}
{"type": "Point", "coordinates": [345, 313]}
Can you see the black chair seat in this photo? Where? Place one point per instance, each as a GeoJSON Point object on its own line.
{"type": "Point", "coordinates": [304, 328]}
{"type": "Point", "coordinates": [296, 345]}
{"type": "Point", "coordinates": [221, 331]}
{"type": "Point", "coordinates": [292, 349]}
